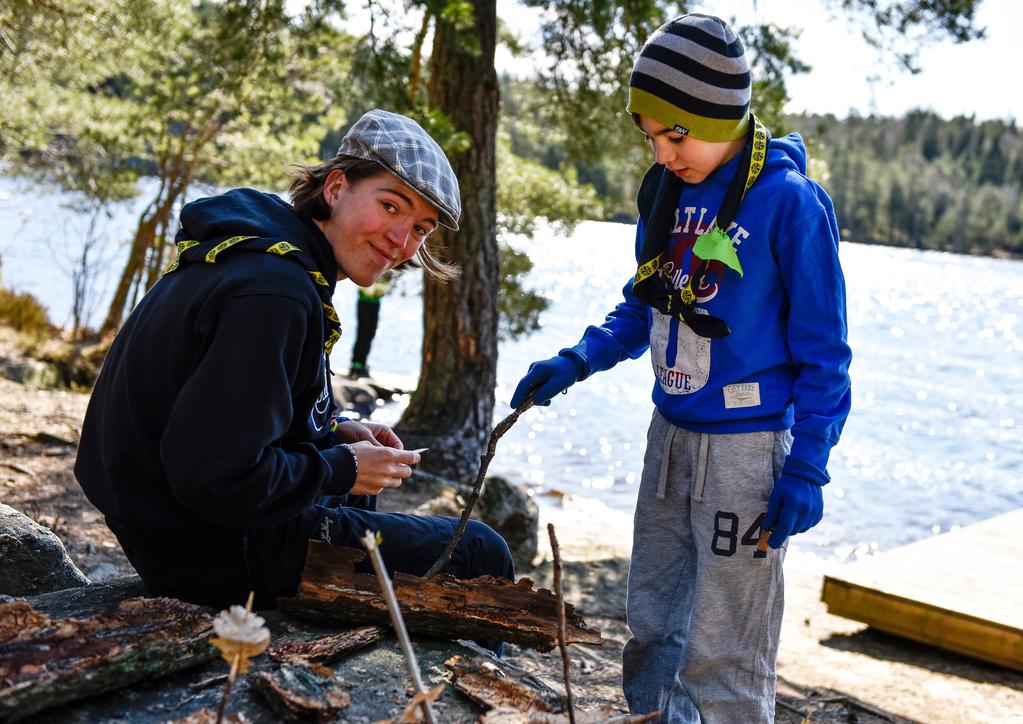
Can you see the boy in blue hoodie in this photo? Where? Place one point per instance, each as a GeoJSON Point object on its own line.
{"type": "Point", "coordinates": [740, 298]}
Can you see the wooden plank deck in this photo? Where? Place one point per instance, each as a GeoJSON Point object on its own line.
{"type": "Point", "coordinates": [961, 590]}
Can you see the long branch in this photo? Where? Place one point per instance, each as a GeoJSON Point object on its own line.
{"type": "Point", "coordinates": [502, 427]}
{"type": "Point", "coordinates": [562, 645]}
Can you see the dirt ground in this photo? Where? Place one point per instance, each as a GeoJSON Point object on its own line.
{"type": "Point", "coordinates": [830, 669]}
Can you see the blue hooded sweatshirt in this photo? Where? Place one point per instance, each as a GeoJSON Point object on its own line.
{"type": "Point", "coordinates": [786, 362]}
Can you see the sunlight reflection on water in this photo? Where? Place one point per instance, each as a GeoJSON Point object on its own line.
{"type": "Point", "coordinates": [933, 441]}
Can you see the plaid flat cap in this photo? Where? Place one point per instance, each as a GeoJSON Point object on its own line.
{"type": "Point", "coordinates": [400, 145]}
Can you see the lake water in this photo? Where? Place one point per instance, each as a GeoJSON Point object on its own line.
{"type": "Point", "coordinates": [934, 441]}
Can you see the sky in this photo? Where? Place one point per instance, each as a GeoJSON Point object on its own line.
{"type": "Point", "coordinates": [978, 78]}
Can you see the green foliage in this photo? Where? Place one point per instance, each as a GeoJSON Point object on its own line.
{"type": "Point", "coordinates": [459, 13]}
{"type": "Point", "coordinates": [528, 192]}
{"type": "Point", "coordinates": [227, 93]}
{"type": "Point", "coordinates": [518, 308]}
{"type": "Point", "coordinates": [614, 174]}
{"type": "Point", "coordinates": [59, 62]}
{"type": "Point", "coordinates": [24, 313]}
{"type": "Point", "coordinates": [593, 45]}
{"type": "Point", "coordinates": [772, 59]}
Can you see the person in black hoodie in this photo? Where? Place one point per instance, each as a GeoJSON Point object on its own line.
{"type": "Point", "coordinates": [211, 443]}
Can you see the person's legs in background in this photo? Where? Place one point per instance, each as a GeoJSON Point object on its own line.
{"type": "Point", "coordinates": [367, 314]}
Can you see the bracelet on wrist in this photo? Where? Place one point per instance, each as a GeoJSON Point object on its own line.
{"type": "Point", "coordinates": [355, 459]}
{"type": "Point", "coordinates": [335, 423]}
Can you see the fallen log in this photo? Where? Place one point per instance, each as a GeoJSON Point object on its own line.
{"type": "Point", "coordinates": [483, 608]}
{"type": "Point", "coordinates": [46, 662]}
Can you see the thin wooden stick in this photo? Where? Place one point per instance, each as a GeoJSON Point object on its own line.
{"type": "Point", "coordinates": [387, 590]}
{"type": "Point", "coordinates": [234, 668]}
{"type": "Point", "coordinates": [565, 663]}
{"type": "Point", "coordinates": [790, 707]}
{"type": "Point", "coordinates": [502, 427]}
{"type": "Point", "coordinates": [762, 541]}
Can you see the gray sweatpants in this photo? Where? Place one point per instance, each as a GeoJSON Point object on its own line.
{"type": "Point", "coordinates": [704, 607]}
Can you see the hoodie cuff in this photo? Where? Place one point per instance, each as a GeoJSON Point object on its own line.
{"type": "Point", "coordinates": [344, 468]}
{"type": "Point", "coordinates": [799, 468]}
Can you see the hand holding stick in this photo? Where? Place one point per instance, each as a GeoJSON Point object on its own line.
{"type": "Point", "coordinates": [502, 427]}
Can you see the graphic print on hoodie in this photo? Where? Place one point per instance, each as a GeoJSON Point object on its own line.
{"type": "Point", "coordinates": [681, 359]}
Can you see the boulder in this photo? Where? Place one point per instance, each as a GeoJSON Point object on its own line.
{"type": "Point", "coordinates": [506, 508]}
{"type": "Point", "coordinates": [103, 571]}
{"type": "Point", "coordinates": [510, 511]}
{"type": "Point", "coordinates": [31, 373]}
{"type": "Point", "coordinates": [32, 559]}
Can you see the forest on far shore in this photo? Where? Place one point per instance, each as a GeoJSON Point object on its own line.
{"type": "Point", "coordinates": [916, 181]}
{"type": "Point", "coordinates": [923, 182]}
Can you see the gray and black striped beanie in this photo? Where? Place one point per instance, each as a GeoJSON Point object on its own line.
{"type": "Point", "coordinates": [692, 76]}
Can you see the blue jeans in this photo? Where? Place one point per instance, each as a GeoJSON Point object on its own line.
{"type": "Point", "coordinates": [219, 566]}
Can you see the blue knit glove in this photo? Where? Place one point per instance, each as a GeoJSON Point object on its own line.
{"type": "Point", "coordinates": [796, 505]}
{"type": "Point", "coordinates": [547, 378]}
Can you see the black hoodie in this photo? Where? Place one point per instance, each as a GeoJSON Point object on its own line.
{"type": "Point", "coordinates": [210, 415]}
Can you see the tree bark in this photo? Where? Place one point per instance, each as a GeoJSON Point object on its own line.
{"type": "Point", "coordinates": [154, 218]}
{"type": "Point", "coordinates": [481, 608]}
{"type": "Point", "coordinates": [297, 691]}
{"type": "Point", "coordinates": [45, 662]}
{"type": "Point", "coordinates": [452, 409]}
{"type": "Point", "coordinates": [325, 648]}
{"type": "Point", "coordinates": [485, 683]}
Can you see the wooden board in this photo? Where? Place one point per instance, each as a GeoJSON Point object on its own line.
{"type": "Point", "coordinates": [961, 590]}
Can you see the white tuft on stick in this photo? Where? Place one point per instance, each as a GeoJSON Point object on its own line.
{"type": "Point", "coordinates": [422, 696]}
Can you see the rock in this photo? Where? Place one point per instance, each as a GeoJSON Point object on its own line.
{"type": "Point", "coordinates": [504, 507]}
{"type": "Point", "coordinates": [364, 395]}
{"type": "Point", "coordinates": [448, 503]}
{"type": "Point", "coordinates": [31, 373]}
{"type": "Point", "coordinates": [355, 396]}
{"type": "Point", "coordinates": [511, 512]}
{"type": "Point", "coordinates": [103, 572]}
{"type": "Point", "coordinates": [34, 559]}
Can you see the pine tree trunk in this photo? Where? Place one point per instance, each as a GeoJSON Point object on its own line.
{"type": "Point", "coordinates": [452, 409]}
{"type": "Point", "coordinates": [149, 233]}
